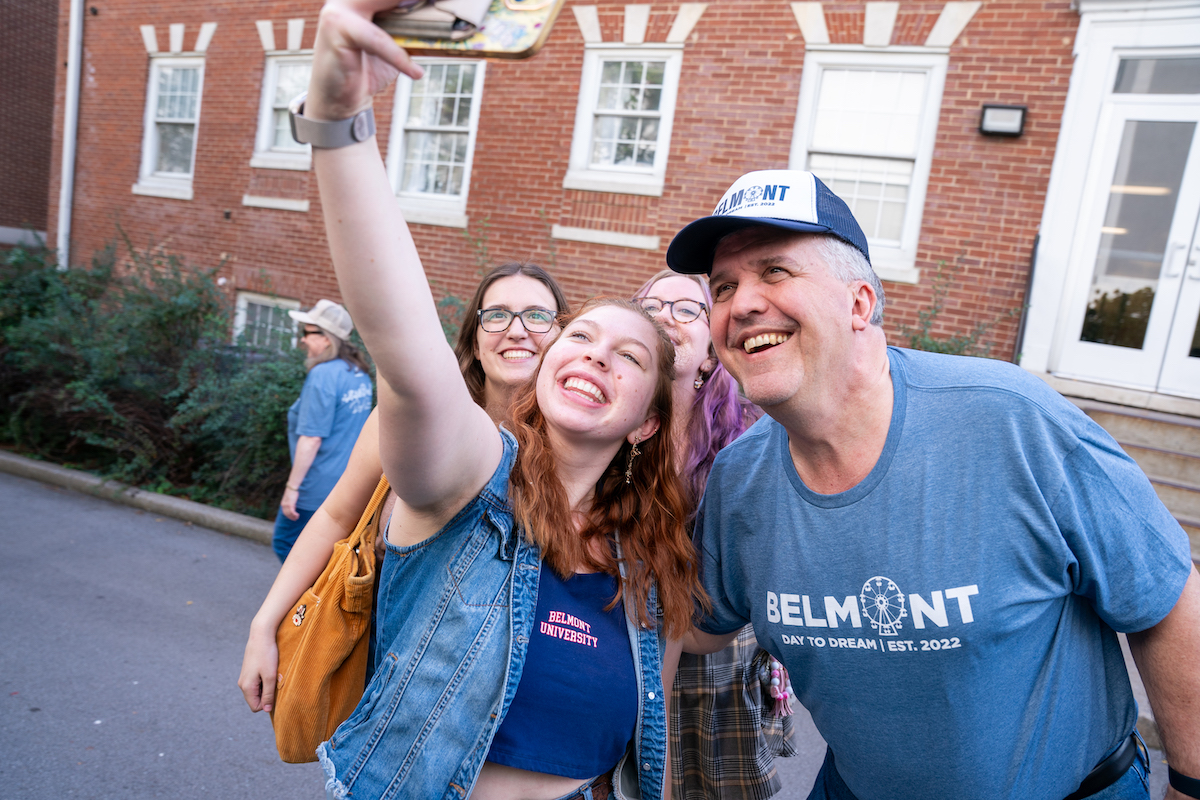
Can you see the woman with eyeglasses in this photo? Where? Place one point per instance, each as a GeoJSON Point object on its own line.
{"type": "Point", "coordinates": [325, 420]}
{"type": "Point", "coordinates": [510, 319]}
{"type": "Point", "coordinates": [724, 735]}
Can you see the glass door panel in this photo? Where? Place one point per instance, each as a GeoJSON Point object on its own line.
{"type": "Point", "coordinates": [1135, 240]}
{"type": "Point", "coordinates": [1133, 237]}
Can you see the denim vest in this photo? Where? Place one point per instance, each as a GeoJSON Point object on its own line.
{"type": "Point", "coordinates": [454, 617]}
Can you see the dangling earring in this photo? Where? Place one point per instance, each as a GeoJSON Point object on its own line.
{"type": "Point", "coordinates": [633, 453]}
{"type": "Point", "coordinates": [698, 384]}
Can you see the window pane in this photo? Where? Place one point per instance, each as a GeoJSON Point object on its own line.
{"type": "Point", "coordinates": [602, 152]}
{"type": "Point", "coordinates": [178, 91]}
{"type": "Point", "coordinates": [429, 161]}
{"type": "Point", "coordinates": [291, 80]}
{"type": "Point", "coordinates": [869, 112]}
{"type": "Point", "coordinates": [442, 98]}
{"type": "Point", "coordinates": [876, 189]}
{"type": "Point", "coordinates": [1133, 240]}
{"type": "Point", "coordinates": [1158, 76]}
{"type": "Point", "coordinates": [175, 147]}
{"type": "Point", "coordinates": [268, 326]}
{"type": "Point", "coordinates": [282, 138]}
{"type": "Point", "coordinates": [628, 141]}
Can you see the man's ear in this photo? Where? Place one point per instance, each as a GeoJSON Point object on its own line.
{"type": "Point", "coordinates": [863, 300]}
{"type": "Point", "coordinates": [647, 429]}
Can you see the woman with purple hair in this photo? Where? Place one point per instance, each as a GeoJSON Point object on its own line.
{"type": "Point", "coordinates": [723, 744]}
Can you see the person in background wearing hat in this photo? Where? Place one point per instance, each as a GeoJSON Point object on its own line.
{"type": "Point", "coordinates": [325, 422]}
{"type": "Point", "coordinates": [939, 549]}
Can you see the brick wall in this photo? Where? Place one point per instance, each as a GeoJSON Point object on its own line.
{"type": "Point", "coordinates": [735, 112]}
{"type": "Point", "coordinates": [27, 89]}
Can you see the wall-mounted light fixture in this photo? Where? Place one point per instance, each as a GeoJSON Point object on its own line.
{"type": "Point", "coordinates": [998, 120]}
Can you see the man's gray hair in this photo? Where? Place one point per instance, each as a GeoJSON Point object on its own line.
{"type": "Point", "coordinates": [847, 264]}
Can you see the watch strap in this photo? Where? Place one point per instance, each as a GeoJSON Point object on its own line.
{"type": "Point", "coordinates": [1183, 783]}
{"type": "Point", "coordinates": [330, 135]}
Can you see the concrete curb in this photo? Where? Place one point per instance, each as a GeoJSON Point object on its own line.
{"type": "Point", "coordinates": [218, 519]}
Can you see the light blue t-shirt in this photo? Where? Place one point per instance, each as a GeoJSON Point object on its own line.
{"type": "Point", "coordinates": [334, 404]}
{"type": "Point", "coordinates": [949, 621]}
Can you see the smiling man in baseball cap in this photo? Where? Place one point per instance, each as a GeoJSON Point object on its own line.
{"type": "Point", "coordinates": [939, 549]}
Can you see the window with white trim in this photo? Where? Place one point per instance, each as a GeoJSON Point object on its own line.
{"type": "Point", "coordinates": [624, 117]}
{"type": "Point", "coordinates": [433, 140]}
{"type": "Point", "coordinates": [263, 321]}
{"type": "Point", "coordinates": [284, 77]}
{"type": "Point", "coordinates": [866, 127]}
{"type": "Point", "coordinates": [171, 121]}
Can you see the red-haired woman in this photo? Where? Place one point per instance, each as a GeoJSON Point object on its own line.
{"type": "Point", "coordinates": [536, 580]}
{"type": "Point", "coordinates": [724, 734]}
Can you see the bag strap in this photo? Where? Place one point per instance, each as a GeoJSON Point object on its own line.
{"type": "Point", "coordinates": [368, 525]}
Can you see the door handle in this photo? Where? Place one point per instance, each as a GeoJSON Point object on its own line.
{"type": "Point", "coordinates": [1172, 259]}
{"type": "Point", "coordinates": [1193, 264]}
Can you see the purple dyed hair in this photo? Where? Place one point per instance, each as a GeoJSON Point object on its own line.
{"type": "Point", "coordinates": [719, 414]}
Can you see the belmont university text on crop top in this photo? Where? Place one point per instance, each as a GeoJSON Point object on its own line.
{"type": "Point", "coordinates": [575, 708]}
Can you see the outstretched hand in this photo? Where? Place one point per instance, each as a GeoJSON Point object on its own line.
{"type": "Point", "coordinates": [354, 59]}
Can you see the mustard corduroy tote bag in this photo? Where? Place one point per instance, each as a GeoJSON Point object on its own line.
{"type": "Point", "coordinates": [324, 643]}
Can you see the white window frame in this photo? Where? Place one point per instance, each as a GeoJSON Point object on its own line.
{"type": "Point", "coordinates": [244, 298]}
{"type": "Point", "coordinates": [150, 181]}
{"type": "Point", "coordinates": [265, 156]}
{"type": "Point", "coordinates": [581, 174]}
{"type": "Point", "coordinates": [432, 209]}
{"type": "Point", "coordinates": [890, 262]}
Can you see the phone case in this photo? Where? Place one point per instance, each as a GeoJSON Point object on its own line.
{"type": "Point", "coordinates": [511, 29]}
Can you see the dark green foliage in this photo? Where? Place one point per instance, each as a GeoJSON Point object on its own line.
{"type": "Point", "coordinates": [451, 309]}
{"type": "Point", "coordinates": [969, 344]}
{"type": "Point", "coordinates": [1118, 319]}
{"type": "Point", "coordinates": [126, 370]}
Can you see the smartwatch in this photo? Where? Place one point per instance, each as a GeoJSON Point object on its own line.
{"type": "Point", "coordinates": [330, 135]}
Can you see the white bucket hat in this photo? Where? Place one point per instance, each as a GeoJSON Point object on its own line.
{"type": "Point", "coordinates": [328, 316]}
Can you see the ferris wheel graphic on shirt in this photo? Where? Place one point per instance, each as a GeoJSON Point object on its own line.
{"type": "Point", "coordinates": [883, 605]}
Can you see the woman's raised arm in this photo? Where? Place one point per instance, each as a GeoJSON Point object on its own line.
{"type": "Point", "coordinates": [437, 447]}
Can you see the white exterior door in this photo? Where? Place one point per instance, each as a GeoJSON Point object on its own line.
{"type": "Point", "coordinates": [1114, 300]}
{"type": "Point", "coordinates": [1134, 316]}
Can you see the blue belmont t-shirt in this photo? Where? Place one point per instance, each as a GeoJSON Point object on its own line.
{"type": "Point", "coordinates": [334, 405]}
{"type": "Point", "coordinates": [949, 621]}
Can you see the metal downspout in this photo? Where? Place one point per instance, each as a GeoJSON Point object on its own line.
{"type": "Point", "coordinates": [66, 192]}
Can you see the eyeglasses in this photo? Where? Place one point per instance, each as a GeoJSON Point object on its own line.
{"type": "Point", "coordinates": [307, 332]}
{"type": "Point", "coordinates": [681, 310]}
{"type": "Point", "coordinates": [498, 320]}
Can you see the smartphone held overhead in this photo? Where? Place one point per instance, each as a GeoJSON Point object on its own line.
{"type": "Point", "coordinates": [472, 28]}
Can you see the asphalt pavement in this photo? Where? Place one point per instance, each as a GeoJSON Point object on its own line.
{"type": "Point", "coordinates": [121, 639]}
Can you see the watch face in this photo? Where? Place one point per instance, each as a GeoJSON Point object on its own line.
{"type": "Point", "coordinates": [361, 128]}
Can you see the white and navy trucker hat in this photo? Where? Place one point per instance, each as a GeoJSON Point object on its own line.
{"type": "Point", "coordinates": [779, 198]}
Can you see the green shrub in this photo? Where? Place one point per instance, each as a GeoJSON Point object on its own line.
{"type": "Point", "coordinates": [126, 370]}
{"type": "Point", "coordinates": [971, 343]}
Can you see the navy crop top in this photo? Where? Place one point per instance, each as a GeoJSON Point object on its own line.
{"type": "Point", "coordinates": [576, 705]}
